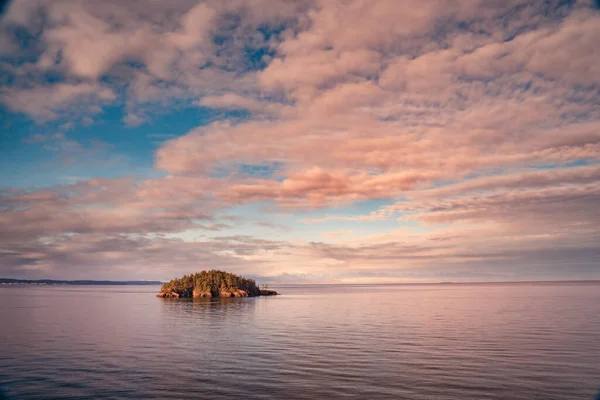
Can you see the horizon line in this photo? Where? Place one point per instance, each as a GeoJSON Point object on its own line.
{"type": "Point", "coordinates": [151, 281]}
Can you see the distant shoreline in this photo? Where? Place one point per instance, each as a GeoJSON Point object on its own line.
{"type": "Point", "coordinates": [443, 283]}
{"type": "Point", "coordinates": [6, 281]}
{"type": "Point", "coordinates": [89, 282]}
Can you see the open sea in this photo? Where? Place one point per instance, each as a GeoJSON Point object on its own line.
{"type": "Point", "coordinates": [448, 341]}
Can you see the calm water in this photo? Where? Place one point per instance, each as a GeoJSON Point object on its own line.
{"type": "Point", "coordinates": [503, 341]}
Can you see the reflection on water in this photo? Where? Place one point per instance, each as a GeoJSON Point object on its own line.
{"type": "Point", "coordinates": [527, 341]}
{"type": "Point", "coordinates": [219, 307]}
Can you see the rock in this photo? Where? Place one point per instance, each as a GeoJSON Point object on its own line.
{"type": "Point", "coordinates": [235, 293]}
{"type": "Point", "coordinates": [199, 294]}
{"type": "Point", "coordinates": [168, 295]}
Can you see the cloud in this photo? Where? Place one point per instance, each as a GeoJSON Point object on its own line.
{"type": "Point", "coordinates": [316, 188]}
{"type": "Point", "coordinates": [529, 179]}
{"type": "Point", "coordinates": [110, 206]}
{"type": "Point", "coordinates": [480, 123]}
{"type": "Point", "coordinates": [379, 215]}
{"type": "Point", "coordinates": [113, 256]}
{"type": "Point", "coordinates": [48, 101]}
{"type": "Point", "coordinates": [336, 234]}
{"type": "Point", "coordinates": [573, 204]}
{"type": "Point", "coordinates": [234, 101]}
{"type": "Point", "coordinates": [155, 53]}
{"type": "Point", "coordinates": [319, 68]}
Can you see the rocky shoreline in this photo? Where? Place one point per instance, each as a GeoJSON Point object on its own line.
{"type": "Point", "coordinates": [200, 295]}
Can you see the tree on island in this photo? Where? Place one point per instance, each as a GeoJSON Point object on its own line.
{"type": "Point", "coordinates": [212, 283]}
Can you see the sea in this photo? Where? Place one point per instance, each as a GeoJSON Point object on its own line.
{"type": "Point", "coordinates": [505, 341]}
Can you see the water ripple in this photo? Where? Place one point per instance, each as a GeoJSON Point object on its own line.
{"type": "Point", "coordinates": [325, 342]}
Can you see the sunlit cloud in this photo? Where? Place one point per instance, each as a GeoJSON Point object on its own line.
{"type": "Point", "coordinates": [417, 140]}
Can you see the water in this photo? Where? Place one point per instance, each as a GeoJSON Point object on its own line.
{"type": "Point", "coordinates": [502, 341]}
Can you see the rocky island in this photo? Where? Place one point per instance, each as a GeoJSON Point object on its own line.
{"type": "Point", "coordinates": [212, 283]}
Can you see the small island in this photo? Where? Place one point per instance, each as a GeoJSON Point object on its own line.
{"type": "Point", "coordinates": [212, 283]}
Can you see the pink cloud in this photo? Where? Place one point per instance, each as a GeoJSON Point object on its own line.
{"type": "Point", "coordinates": [353, 101]}
{"type": "Point", "coordinates": [110, 206]}
{"type": "Point", "coordinates": [317, 188]}
{"type": "Point", "coordinates": [45, 102]}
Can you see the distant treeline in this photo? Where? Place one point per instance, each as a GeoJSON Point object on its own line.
{"type": "Point", "coordinates": [5, 281]}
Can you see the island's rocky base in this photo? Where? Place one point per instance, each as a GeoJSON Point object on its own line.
{"type": "Point", "coordinates": [199, 295]}
{"type": "Point", "coordinates": [213, 283]}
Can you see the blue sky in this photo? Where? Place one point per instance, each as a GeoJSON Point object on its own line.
{"type": "Point", "coordinates": [309, 141]}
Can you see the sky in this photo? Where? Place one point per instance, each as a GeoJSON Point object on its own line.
{"type": "Point", "coordinates": [300, 141]}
